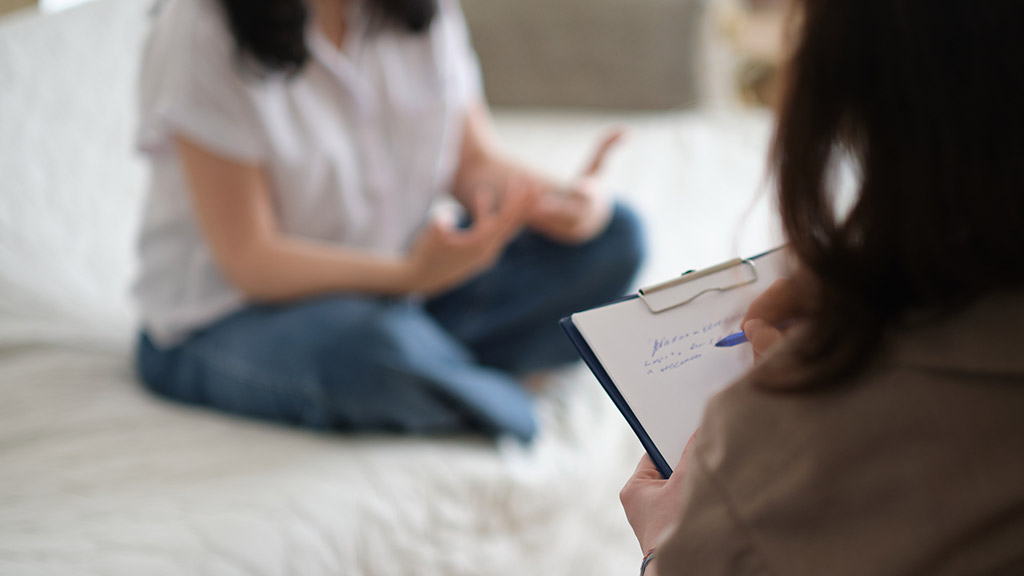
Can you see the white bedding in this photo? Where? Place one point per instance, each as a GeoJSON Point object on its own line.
{"type": "Point", "coordinates": [97, 477]}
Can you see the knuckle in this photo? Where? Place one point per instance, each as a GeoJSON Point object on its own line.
{"type": "Point", "coordinates": [625, 494]}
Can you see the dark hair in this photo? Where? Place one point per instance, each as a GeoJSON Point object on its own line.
{"type": "Point", "coordinates": [927, 97]}
{"type": "Point", "coordinates": [271, 33]}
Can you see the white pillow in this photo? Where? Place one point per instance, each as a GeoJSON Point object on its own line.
{"type": "Point", "coordinates": [72, 184]}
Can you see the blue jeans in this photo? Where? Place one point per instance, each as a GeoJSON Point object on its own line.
{"type": "Point", "coordinates": [449, 364]}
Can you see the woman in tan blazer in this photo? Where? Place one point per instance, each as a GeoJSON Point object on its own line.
{"type": "Point", "coordinates": [883, 433]}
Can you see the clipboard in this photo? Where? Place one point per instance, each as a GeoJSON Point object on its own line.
{"type": "Point", "coordinates": [647, 349]}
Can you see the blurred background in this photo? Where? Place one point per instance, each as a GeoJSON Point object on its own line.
{"type": "Point", "coordinates": [98, 477]}
{"type": "Point", "coordinates": [742, 50]}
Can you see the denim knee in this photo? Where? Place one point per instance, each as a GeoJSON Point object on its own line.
{"type": "Point", "coordinates": [623, 244]}
{"type": "Point", "coordinates": [151, 363]}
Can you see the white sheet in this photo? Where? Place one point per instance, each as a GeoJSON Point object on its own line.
{"type": "Point", "coordinates": [665, 363]}
{"type": "Point", "coordinates": [100, 478]}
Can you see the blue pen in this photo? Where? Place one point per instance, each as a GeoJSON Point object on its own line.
{"type": "Point", "coordinates": [732, 340]}
{"type": "Point", "coordinates": [741, 338]}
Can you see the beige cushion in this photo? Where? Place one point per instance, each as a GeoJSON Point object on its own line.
{"type": "Point", "coordinates": [594, 53]}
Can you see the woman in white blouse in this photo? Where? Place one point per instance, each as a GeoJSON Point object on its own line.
{"type": "Point", "coordinates": [289, 267]}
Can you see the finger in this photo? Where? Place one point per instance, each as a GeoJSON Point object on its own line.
{"type": "Point", "coordinates": [646, 470]}
{"type": "Point", "coordinates": [452, 237]}
{"type": "Point", "coordinates": [558, 210]}
{"type": "Point", "coordinates": [483, 204]}
{"type": "Point", "coordinates": [690, 444]}
{"type": "Point", "coordinates": [681, 466]}
{"type": "Point", "coordinates": [520, 199]}
{"type": "Point", "coordinates": [777, 304]}
{"type": "Point", "coordinates": [440, 228]}
{"type": "Point", "coordinates": [762, 336]}
{"type": "Point", "coordinates": [528, 192]}
{"type": "Point", "coordinates": [605, 145]}
{"type": "Point", "coordinates": [490, 237]}
{"type": "Point", "coordinates": [482, 210]}
{"type": "Point", "coordinates": [584, 187]}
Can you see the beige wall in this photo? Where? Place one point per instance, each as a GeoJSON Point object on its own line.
{"type": "Point", "coordinates": [12, 5]}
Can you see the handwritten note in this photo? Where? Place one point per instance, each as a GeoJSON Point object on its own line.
{"type": "Point", "coordinates": [674, 351]}
{"type": "Point", "coordinates": [665, 365]}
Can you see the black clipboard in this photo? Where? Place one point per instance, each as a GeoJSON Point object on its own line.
{"type": "Point", "coordinates": [660, 298]}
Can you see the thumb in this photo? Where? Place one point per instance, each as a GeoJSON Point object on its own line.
{"type": "Point", "coordinates": [762, 335]}
{"type": "Point", "coordinates": [444, 231]}
{"type": "Point", "coordinates": [605, 145]}
{"type": "Point", "coordinates": [681, 466]}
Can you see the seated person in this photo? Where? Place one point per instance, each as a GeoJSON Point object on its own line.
{"type": "Point", "coordinates": [290, 269]}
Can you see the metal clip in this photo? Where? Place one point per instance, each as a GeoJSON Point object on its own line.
{"type": "Point", "coordinates": [648, 295]}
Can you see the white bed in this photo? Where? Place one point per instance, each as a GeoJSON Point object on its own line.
{"type": "Point", "coordinates": [98, 477]}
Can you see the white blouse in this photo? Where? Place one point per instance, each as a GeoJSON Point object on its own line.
{"type": "Point", "coordinates": [356, 146]}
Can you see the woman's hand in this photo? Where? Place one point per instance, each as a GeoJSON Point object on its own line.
{"type": "Point", "coordinates": [581, 211]}
{"type": "Point", "coordinates": [570, 214]}
{"type": "Point", "coordinates": [654, 505]}
{"type": "Point", "coordinates": [773, 313]}
{"type": "Point", "coordinates": [444, 256]}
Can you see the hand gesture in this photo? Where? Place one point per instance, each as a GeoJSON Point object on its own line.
{"type": "Point", "coordinates": [579, 212]}
{"type": "Point", "coordinates": [445, 256]}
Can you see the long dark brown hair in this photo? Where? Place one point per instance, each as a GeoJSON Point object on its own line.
{"type": "Point", "coordinates": [270, 34]}
{"type": "Point", "coordinates": [927, 98]}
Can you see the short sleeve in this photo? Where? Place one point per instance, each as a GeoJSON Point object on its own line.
{"type": "Point", "coordinates": [462, 59]}
{"type": "Point", "coordinates": [191, 85]}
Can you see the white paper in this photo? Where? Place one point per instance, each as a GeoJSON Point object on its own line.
{"type": "Point", "coordinates": [666, 365]}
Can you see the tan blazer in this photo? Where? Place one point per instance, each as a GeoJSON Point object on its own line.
{"type": "Point", "coordinates": [917, 467]}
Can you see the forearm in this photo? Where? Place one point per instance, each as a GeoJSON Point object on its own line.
{"type": "Point", "coordinates": [282, 269]}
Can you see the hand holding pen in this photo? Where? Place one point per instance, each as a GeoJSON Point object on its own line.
{"type": "Point", "coordinates": [769, 317]}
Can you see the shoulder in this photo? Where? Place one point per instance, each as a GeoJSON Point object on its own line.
{"type": "Point", "coordinates": [966, 361]}
{"type": "Point", "coordinates": [191, 84]}
{"type": "Point", "coordinates": [850, 470]}
{"type": "Point", "coordinates": [894, 412]}
{"type": "Point", "coordinates": [450, 18]}
{"type": "Point", "coordinates": [190, 50]}
{"type": "Point", "coordinates": [207, 15]}
{"type": "Point", "coordinates": [192, 27]}
{"type": "Point", "coordinates": [449, 8]}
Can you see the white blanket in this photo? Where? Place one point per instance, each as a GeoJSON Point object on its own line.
{"type": "Point", "coordinates": [99, 478]}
